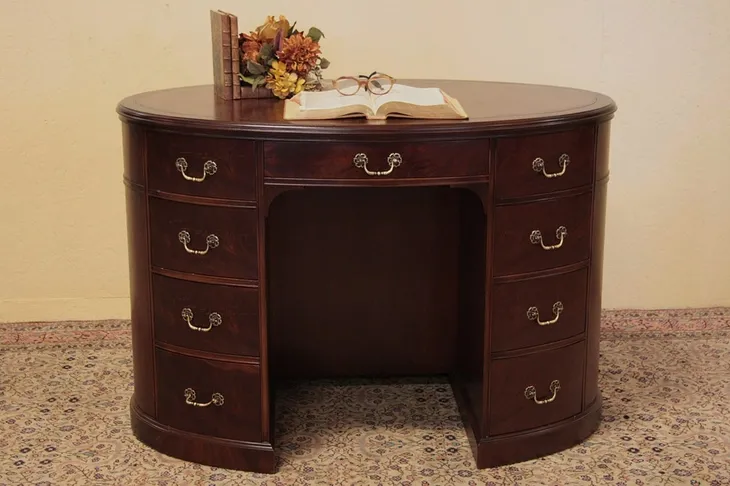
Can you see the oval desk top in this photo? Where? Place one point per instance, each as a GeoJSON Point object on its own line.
{"type": "Point", "coordinates": [491, 106]}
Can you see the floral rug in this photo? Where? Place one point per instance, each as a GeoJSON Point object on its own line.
{"type": "Point", "coordinates": [665, 379]}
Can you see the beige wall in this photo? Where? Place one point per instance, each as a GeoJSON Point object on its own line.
{"type": "Point", "coordinates": [64, 65]}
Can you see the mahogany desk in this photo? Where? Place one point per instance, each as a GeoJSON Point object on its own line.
{"type": "Point", "coordinates": [262, 249]}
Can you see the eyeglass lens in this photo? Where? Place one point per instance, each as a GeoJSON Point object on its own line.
{"type": "Point", "coordinates": [347, 86]}
{"type": "Point", "coordinates": [379, 84]}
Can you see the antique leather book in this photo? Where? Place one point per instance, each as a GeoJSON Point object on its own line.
{"type": "Point", "coordinates": [220, 31]}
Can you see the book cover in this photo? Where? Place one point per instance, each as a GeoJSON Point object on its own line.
{"type": "Point", "coordinates": [220, 32]}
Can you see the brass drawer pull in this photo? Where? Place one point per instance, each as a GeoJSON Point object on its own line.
{"type": "Point", "coordinates": [361, 162]}
{"type": "Point", "coordinates": [209, 168]}
{"type": "Point", "coordinates": [534, 315]}
{"type": "Point", "coordinates": [216, 399]}
{"type": "Point", "coordinates": [531, 393]}
{"type": "Point", "coordinates": [538, 165]}
{"type": "Point", "coordinates": [560, 233]}
{"type": "Point", "coordinates": [214, 319]}
{"type": "Point", "coordinates": [211, 241]}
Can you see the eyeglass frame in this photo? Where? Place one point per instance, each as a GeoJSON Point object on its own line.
{"type": "Point", "coordinates": [364, 82]}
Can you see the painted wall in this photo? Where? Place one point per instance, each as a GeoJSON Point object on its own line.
{"type": "Point", "coordinates": [64, 66]}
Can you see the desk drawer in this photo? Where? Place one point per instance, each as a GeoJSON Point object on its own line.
{"type": "Point", "coordinates": [530, 165]}
{"type": "Point", "coordinates": [226, 238]}
{"type": "Point", "coordinates": [353, 161]}
{"type": "Point", "coordinates": [220, 167]}
{"type": "Point", "coordinates": [528, 236]}
{"type": "Point", "coordinates": [228, 396]}
{"type": "Point", "coordinates": [207, 317]}
{"type": "Point", "coordinates": [518, 384]}
{"type": "Point", "coordinates": [539, 310]}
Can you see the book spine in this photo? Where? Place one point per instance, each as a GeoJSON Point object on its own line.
{"type": "Point", "coordinates": [235, 58]}
{"type": "Point", "coordinates": [226, 43]}
{"type": "Point", "coordinates": [221, 50]}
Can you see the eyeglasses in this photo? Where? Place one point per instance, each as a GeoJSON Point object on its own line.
{"type": "Point", "coordinates": [376, 83]}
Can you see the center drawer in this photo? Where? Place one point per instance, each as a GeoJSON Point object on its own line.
{"type": "Point", "coordinates": [384, 160]}
{"type": "Point", "coordinates": [209, 397]}
{"type": "Point", "coordinates": [202, 239]}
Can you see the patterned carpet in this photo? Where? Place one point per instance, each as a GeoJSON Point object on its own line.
{"type": "Point", "coordinates": [665, 378]}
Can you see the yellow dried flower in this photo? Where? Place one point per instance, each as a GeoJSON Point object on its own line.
{"type": "Point", "coordinates": [283, 83]}
{"type": "Point", "coordinates": [268, 30]}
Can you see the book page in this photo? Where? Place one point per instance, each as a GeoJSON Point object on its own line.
{"type": "Point", "coordinates": [328, 100]}
{"type": "Point", "coordinates": [410, 95]}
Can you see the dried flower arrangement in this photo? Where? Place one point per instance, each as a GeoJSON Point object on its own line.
{"type": "Point", "coordinates": [282, 59]}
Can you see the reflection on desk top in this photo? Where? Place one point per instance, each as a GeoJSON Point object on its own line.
{"type": "Point", "coordinates": [492, 106]}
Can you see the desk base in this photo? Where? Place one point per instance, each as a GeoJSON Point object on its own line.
{"type": "Point", "coordinates": [261, 458]}
{"type": "Point", "coordinates": [523, 446]}
{"type": "Point", "coordinates": [211, 451]}
{"type": "Point", "coordinates": [512, 448]}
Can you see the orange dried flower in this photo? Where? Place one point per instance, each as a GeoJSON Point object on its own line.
{"type": "Point", "coordinates": [250, 45]}
{"type": "Point", "coordinates": [250, 51]}
{"type": "Point", "coordinates": [299, 53]}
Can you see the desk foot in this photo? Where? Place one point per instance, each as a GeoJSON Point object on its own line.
{"type": "Point", "coordinates": [512, 448]}
{"type": "Point", "coordinates": [211, 451]}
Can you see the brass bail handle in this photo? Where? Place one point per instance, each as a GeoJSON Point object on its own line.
{"type": "Point", "coordinates": [560, 234]}
{"type": "Point", "coordinates": [215, 399]}
{"type": "Point", "coordinates": [361, 162]}
{"type": "Point", "coordinates": [214, 319]}
{"type": "Point", "coordinates": [211, 241]}
{"type": "Point", "coordinates": [538, 165]}
{"type": "Point", "coordinates": [531, 393]}
{"type": "Point", "coordinates": [209, 168]}
{"type": "Point", "coordinates": [533, 314]}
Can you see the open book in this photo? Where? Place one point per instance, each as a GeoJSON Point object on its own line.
{"type": "Point", "coordinates": [401, 101]}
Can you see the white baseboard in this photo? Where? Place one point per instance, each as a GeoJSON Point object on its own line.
{"type": "Point", "coordinates": [76, 309]}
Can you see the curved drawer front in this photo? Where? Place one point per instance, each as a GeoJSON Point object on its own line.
{"type": "Point", "coordinates": [201, 239]}
{"type": "Point", "coordinates": [207, 317]}
{"type": "Point", "coordinates": [535, 390]}
{"type": "Point", "coordinates": [208, 397]}
{"type": "Point", "coordinates": [534, 164]}
{"type": "Point", "coordinates": [542, 235]}
{"type": "Point", "coordinates": [376, 161]}
{"type": "Point", "coordinates": [201, 166]}
{"type": "Point", "coordinates": [539, 310]}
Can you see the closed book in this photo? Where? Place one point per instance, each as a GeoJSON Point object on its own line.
{"type": "Point", "coordinates": [235, 60]}
{"type": "Point", "coordinates": [220, 33]}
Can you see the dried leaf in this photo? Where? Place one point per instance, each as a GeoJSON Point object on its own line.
{"type": "Point", "coordinates": [291, 29]}
{"type": "Point", "coordinates": [255, 68]}
{"type": "Point", "coordinates": [324, 63]}
{"type": "Point", "coordinates": [315, 34]}
{"type": "Point", "coordinates": [255, 81]}
{"type": "Point", "coordinates": [266, 52]}
{"type": "Point", "coordinates": [247, 79]}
